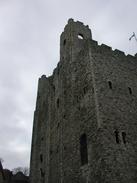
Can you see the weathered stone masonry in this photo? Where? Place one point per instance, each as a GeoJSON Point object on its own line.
{"type": "Point", "coordinates": [85, 122]}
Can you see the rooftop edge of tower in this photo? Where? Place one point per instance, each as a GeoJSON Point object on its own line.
{"type": "Point", "coordinates": [77, 27]}
{"type": "Point", "coordinates": [71, 20]}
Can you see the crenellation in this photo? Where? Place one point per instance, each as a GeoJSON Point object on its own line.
{"type": "Point", "coordinates": [94, 43]}
{"type": "Point", "coordinates": [106, 48]}
{"type": "Point", "coordinates": [119, 52]}
{"type": "Point", "coordinates": [78, 22]}
{"type": "Point", "coordinates": [135, 55]}
{"type": "Point", "coordinates": [130, 57]}
{"type": "Point", "coordinates": [70, 20]}
{"type": "Point", "coordinates": [87, 26]}
{"type": "Point", "coordinates": [43, 76]}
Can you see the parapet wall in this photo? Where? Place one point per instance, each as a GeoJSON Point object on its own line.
{"type": "Point", "coordinates": [108, 50]}
{"type": "Point", "coordinates": [102, 48]}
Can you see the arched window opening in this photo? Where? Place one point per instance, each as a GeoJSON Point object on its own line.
{"type": "Point", "coordinates": [117, 136]}
{"type": "Point", "coordinates": [110, 84]}
{"type": "Point", "coordinates": [80, 36]}
{"type": "Point", "coordinates": [83, 149]}
{"type": "Point", "coordinates": [130, 90]}
{"type": "Point", "coordinates": [124, 137]}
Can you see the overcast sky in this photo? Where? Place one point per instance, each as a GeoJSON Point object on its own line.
{"type": "Point", "coordinates": [29, 47]}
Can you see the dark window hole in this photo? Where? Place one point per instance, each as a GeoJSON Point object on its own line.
{"type": "Point", "coordinates": [124, 137]}
{"type": "Point", "coordinates": [110, 84]}
{"type": "Point", "coordinates": [80, 36]}
{"type": "Point", "coordinates": [117, 136]}
{"type": "Point", "coordinates": [85, 90]}
{"type": "Point", "coordinates": [57, 103]}
{"type": "Point", "coordinates": [41, 158]}
{"type": "Point", "coordinates": [83, 149]}
{"type": "Point", "coordinates": [58, 125]}
{"type": "Point", "coordinates": [64, 42]}
{"type": "Point", "coordinates": [130, 90]}
{"type": "Point", "coordinates": [42, 172]}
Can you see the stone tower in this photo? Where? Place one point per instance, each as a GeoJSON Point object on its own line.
{"type": "Point", "coordinates": [85, 122]}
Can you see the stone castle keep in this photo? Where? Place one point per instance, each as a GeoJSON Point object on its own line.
{"type": "Point", "coordinates": [85, 121]}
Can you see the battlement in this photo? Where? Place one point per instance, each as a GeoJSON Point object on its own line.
{"type": "Point", "coordinates": [108, 50]}
{"type": "Point", "coordinates": [78, 23]}
{"type": "Point", "coordinates": [74, 29]}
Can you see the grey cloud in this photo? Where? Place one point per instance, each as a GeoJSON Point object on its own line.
{"type": "Point", "coordinates": [29, 47]}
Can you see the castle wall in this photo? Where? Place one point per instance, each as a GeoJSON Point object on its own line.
{"type": "Point", "coordinates": [115, 78]}
{"type": "Point", "coordinates": [85, 118]}
{"type": "Point", "coordinates": [40, 139]}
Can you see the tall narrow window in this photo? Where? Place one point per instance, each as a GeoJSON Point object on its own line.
{"type": "Point", "coordinates": [110, 84]}
{"type": "Point", "coordinates": [117, 136]}
{"type": "Point", "coordinates": [64, 42]}
{"type": "Point", "coordinates": [124, 137]}
{"type": "Point", "coordinates": [130, 90]}
{"type": "Point", "coordinates": [41, 158]}
{"type": "Point", "coordinates": [83, 149]}
{"type": "Point", "coordinates": [42, 172]}
{"type": "Point", "coordinates": [57, 103]}
{"type": "Point", "coordinates": [85, 89]}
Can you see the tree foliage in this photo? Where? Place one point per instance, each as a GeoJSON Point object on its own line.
{"type": "Point", "coordinates": [24, 170]}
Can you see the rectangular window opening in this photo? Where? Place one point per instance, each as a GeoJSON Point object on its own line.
{"type": "Point", "coordinates": [110, 84]}
{"type": "Point", "coordinates": [117, 136]}
{"type": "Point", "coordinates": [124, 137]}
{"type": "Point", "coordinates": [41, 158]}
{"type": "Point", "coordinates": [42, 172]}
{"type": "Point", "coordinates": [130, 90]}
{"type": "Point", "coordinates": [83, 149]}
